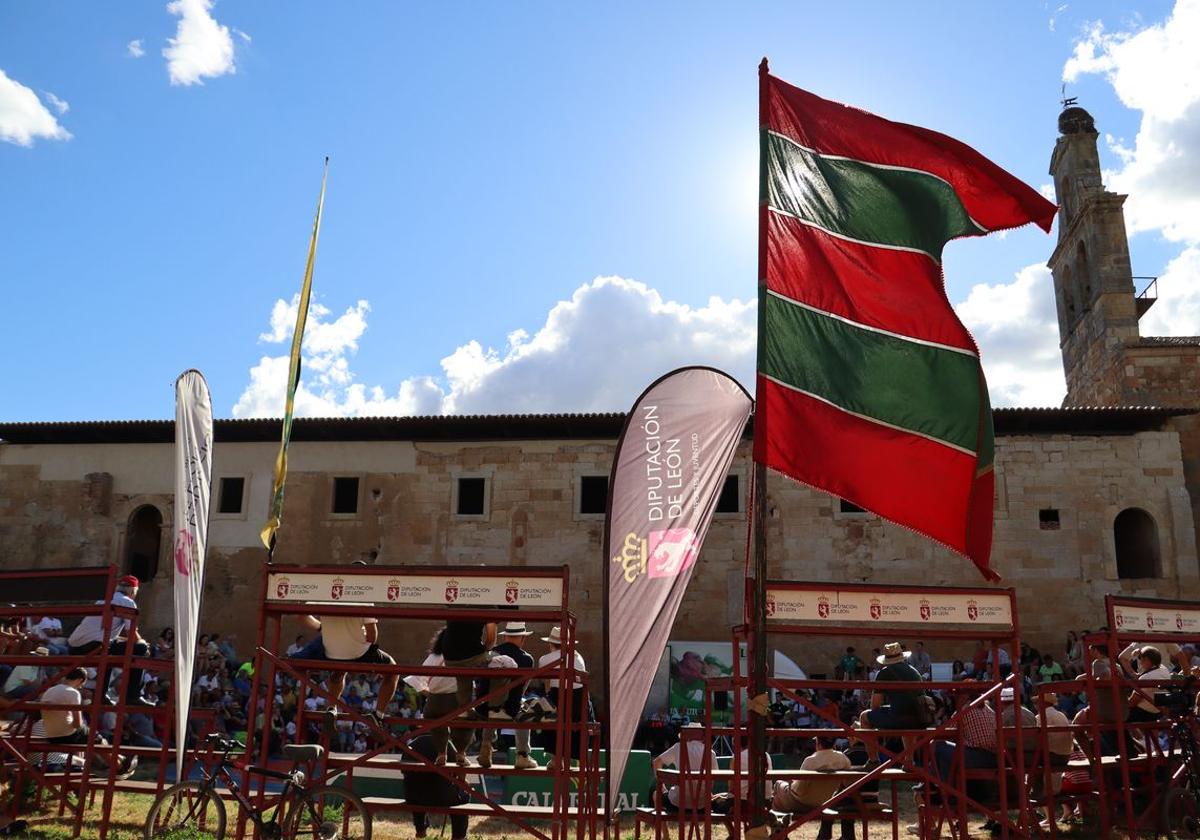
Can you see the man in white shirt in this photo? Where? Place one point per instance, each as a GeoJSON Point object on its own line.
{"type": "Point", "coordinates": [49, 630]}
{"type": "Point", "coordinates": [691, 760]}
{"type": "Point", "coordinates": [350, 639]}
{"type": "Point", "coordinates": [66, 726]}
{"type": "Point", "coordinates": [296, 646]}
{"type": "Point", "coordinates": [1149, 667]}
{"type": "Point", "coordinates": [807, 793]}
{"type": "Point", "coordinates": [88, 637]}
{"type": "Point", "coordinates": [579, 698]}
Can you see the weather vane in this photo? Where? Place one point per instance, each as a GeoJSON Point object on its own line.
{"type": "Point", "coordinates": [1068, 101]}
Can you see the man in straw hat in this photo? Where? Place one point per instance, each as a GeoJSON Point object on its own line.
{"type": "Point", "coordinates": [579, 698]}
{"type": "Point", "coordinates": [893, 708]}
{"type": "Point", "coordinates": [512, 646]}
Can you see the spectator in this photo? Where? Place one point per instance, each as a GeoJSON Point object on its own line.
{"type": "Point", "coordinates": [893, 708]}
{"type": "Point", "coordinates": [48, 631]}
{"type": "Point", "coordinates": [433, 790]}
{"type": "Point", "coordinates": [164, 645]}
{"type": "Point", "coordinates": [977, 735]}
{"type": "Point", "coordinates": [296, 646]}
{"type": "Point", "coordinates": [1149, 668]}
{"type": "Point", "coordinates": [349, 639]}
{"type": "Point", "coordinates": [958, 671]}
{"type": "Point", "coordinates": [66, 726]}
{"type": "Point", "coordinates": [850, 667]}
{"type": "Point", "coordinates": [922, 662]}
{"type": "Point", "coordinates": [1050, 671]}
{"type": "Point", "coordinates": [466, 645]}
{"type": "Point", "coordinates": [1061, 743]}
{"type": "Point", "coordinates": [24, 680]}
{"type": "Point", "coordinates": [580, 704]}
{"type": "Point", "coordinates": [1074, 653]}
{"type": "Point", "coordinates": [88, 637]}
{"type": "Point", "coordinates": [808, 793]}
{"type": "Point", "coordinates": [441, 695]}
{"type": "Point", "coordinates": [512, 645]}
{"type": "Point", "coordinates": [227, 650]}
{"type": "Point", "coordinates": [688, 795]}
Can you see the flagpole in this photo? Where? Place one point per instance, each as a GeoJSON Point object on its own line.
{"type": "Point", "coordinates": [758, 594]}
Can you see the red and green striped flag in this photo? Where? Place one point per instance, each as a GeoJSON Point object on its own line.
{"type": "Point", "coordinates": [869, 386]}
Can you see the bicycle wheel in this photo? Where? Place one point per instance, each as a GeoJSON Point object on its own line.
{"type": "Point", "coordinates": [1181, 813]}
{"type": "Point", "coordinates": [327, 813]}
{"type": "Point", "coordinates": [186, 811]}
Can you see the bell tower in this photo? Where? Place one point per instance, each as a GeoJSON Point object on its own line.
{"type": "Point", "coordinates": [1093, 280]}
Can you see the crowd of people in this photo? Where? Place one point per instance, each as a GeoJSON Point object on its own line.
{"type": "Point", "coordinates": [891, 698]}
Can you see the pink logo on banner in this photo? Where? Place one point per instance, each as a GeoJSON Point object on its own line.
{"type": "Point", "coordinates": [451, 591]}
{"type": "Point", "coordinates": [393, 590]}
{"type": "Point", "coordinates": [926, 610]}
{"type": "Point", "coordinates": [337, 589]}
{"type": "Point", "coordinates": [671, 552]}
{"type": "Point", "coordinates": [770, 605]}
{"type": "Point", "coordinates": [823, 607]}
{"type": "Point", "coordinates": [512, 592]}
{"type": "Point", "coordinates": [1150, 620]}
{"type": "Point", "coordinates": [876, 609]}
{"type": "Point", "coordinates": [183, 552]}
{"type": "Point", "coordinates": [281, 587]}
{"type": "Point", "coordinates": [972, 610]}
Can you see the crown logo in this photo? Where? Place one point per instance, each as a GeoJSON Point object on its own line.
{"type": "Point", "coordinates": [632, 557]}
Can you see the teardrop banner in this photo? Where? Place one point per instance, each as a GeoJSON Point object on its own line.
{"type": "Point", "coordinates": [674, 453]}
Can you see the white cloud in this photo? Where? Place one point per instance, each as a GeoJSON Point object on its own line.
{"type": "Point", "coordinates": [23, 117]}
{"type": "Point", "coordinates": [1177, 310]}
{"type": "Point", "coordinates": [134, 48]}
{"type": "Point", "coordinates": [1016, 327]}
{"type": "Point", "coordinates": [201, 48]}
{"type": "Point", "coordinates": [595, 352]}
{"type": "Point", "coordinates": [60, 105]}
{"type": "Point", "coordinates": [1154, 69]}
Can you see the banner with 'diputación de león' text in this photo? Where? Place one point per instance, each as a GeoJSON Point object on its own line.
{"type": "Point", "coordinates": [671, 462]}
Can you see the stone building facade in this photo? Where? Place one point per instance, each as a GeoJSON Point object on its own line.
{"type": "Point", "coordinates": [1097, 497]}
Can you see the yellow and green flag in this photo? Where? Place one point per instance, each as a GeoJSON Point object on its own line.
{"type": "Point", "coordinates": [276, 514]}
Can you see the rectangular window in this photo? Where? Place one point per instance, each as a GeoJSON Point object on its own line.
{"type": "Point", "coordinates": [1048, 519]}
{"type": "Point", "coordinates": [230, 495]}
{"type": "Point", "coordinates": [848, 507]}
{"type": "Point", "coordinates": [593, 494]}
{"type": "Point", "coordinates": [730, 500]}
{"type": "Point", "coordinates": [345, 494]}
{"type": "Point", "coordinates": [472, 497]}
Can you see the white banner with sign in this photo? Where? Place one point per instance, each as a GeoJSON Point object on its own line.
{"type": "Point", "coordinates": [417, 590]}
{"type": "Point", "coordinates": [1131, 618]}
{"type": "Point", "coordinates": [882, 606]}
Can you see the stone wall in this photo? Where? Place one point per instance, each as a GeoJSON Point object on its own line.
{"type": "Point", "coordinates": [56, 509]}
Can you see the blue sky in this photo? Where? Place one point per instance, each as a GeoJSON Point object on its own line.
{"type": "Point", "coordinates": [488, 162]}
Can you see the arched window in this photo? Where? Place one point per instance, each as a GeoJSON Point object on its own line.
{"type": "Point", "coordinates": [1136, 535]}
{"type": "Point", "coordinates": [1084, 272]}
{"type": "Point", "coordinates": [1068, 292]}
{"type": "Point", "coordinates": [142, 543]}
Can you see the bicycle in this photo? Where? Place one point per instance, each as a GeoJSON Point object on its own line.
{"type": "Point", "coordinates": [193, 809]}
{"type": "Point", "coordinates": [1181, 805]}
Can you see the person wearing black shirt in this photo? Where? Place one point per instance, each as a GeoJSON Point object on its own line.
{"type": "Point", "coordinates": [514, 637]}
{"type": "Point", "coordinates": [465, 645]}
{"type": "Point", "coordinates": [894, 708]}
{"type": "Point", "coordinates": [425, 787]}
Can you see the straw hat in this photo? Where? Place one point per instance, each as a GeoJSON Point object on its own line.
{"type": "Point", "coordinates": [554, 637]}
{"type": "Point", "coordinates": [893, 653]}
{"type": "Point", "coordinates": [516, 628]}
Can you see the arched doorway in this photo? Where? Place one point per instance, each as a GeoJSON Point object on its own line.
{"type": "Point", "coordinates": [1135, 534]}
{"type": "Point", "coordinates": [143, 540]}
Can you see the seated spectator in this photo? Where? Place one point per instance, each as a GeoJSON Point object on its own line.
{"type": "Point", "coordinates": [48, 631]}
{"type": "Point", "coordinates": [296, 646]}
{"type": "Point", "coordinates": [67, 726]}
{"type": "Point", "coordinates": [1149, 667]}
{"type": "Point", "coordinates": [24, 679]}
{"type": "Point", "coordinates": [976, 735]}
{"type": "Point", "coordinates": [164, 645]}
{"type": "Point", "coordinates": [805, 794]}
{"type": "Point", "coordinates": [689, 795]}
{"type": "Point", "coordinates": [1050, 671]}
{"type": "Point", "coordinates": [1061, 744]}
{"type": "Point", "coordinates": [893, 708]}
{"type": "Point", "coordinates": [88, 637]}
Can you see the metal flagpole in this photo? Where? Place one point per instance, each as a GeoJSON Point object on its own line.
{"type": "Point", "coordinates": [757, 596]}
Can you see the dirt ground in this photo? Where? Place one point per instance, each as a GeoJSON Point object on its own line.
{"type": "Point", "coordinates": [130, 809]}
